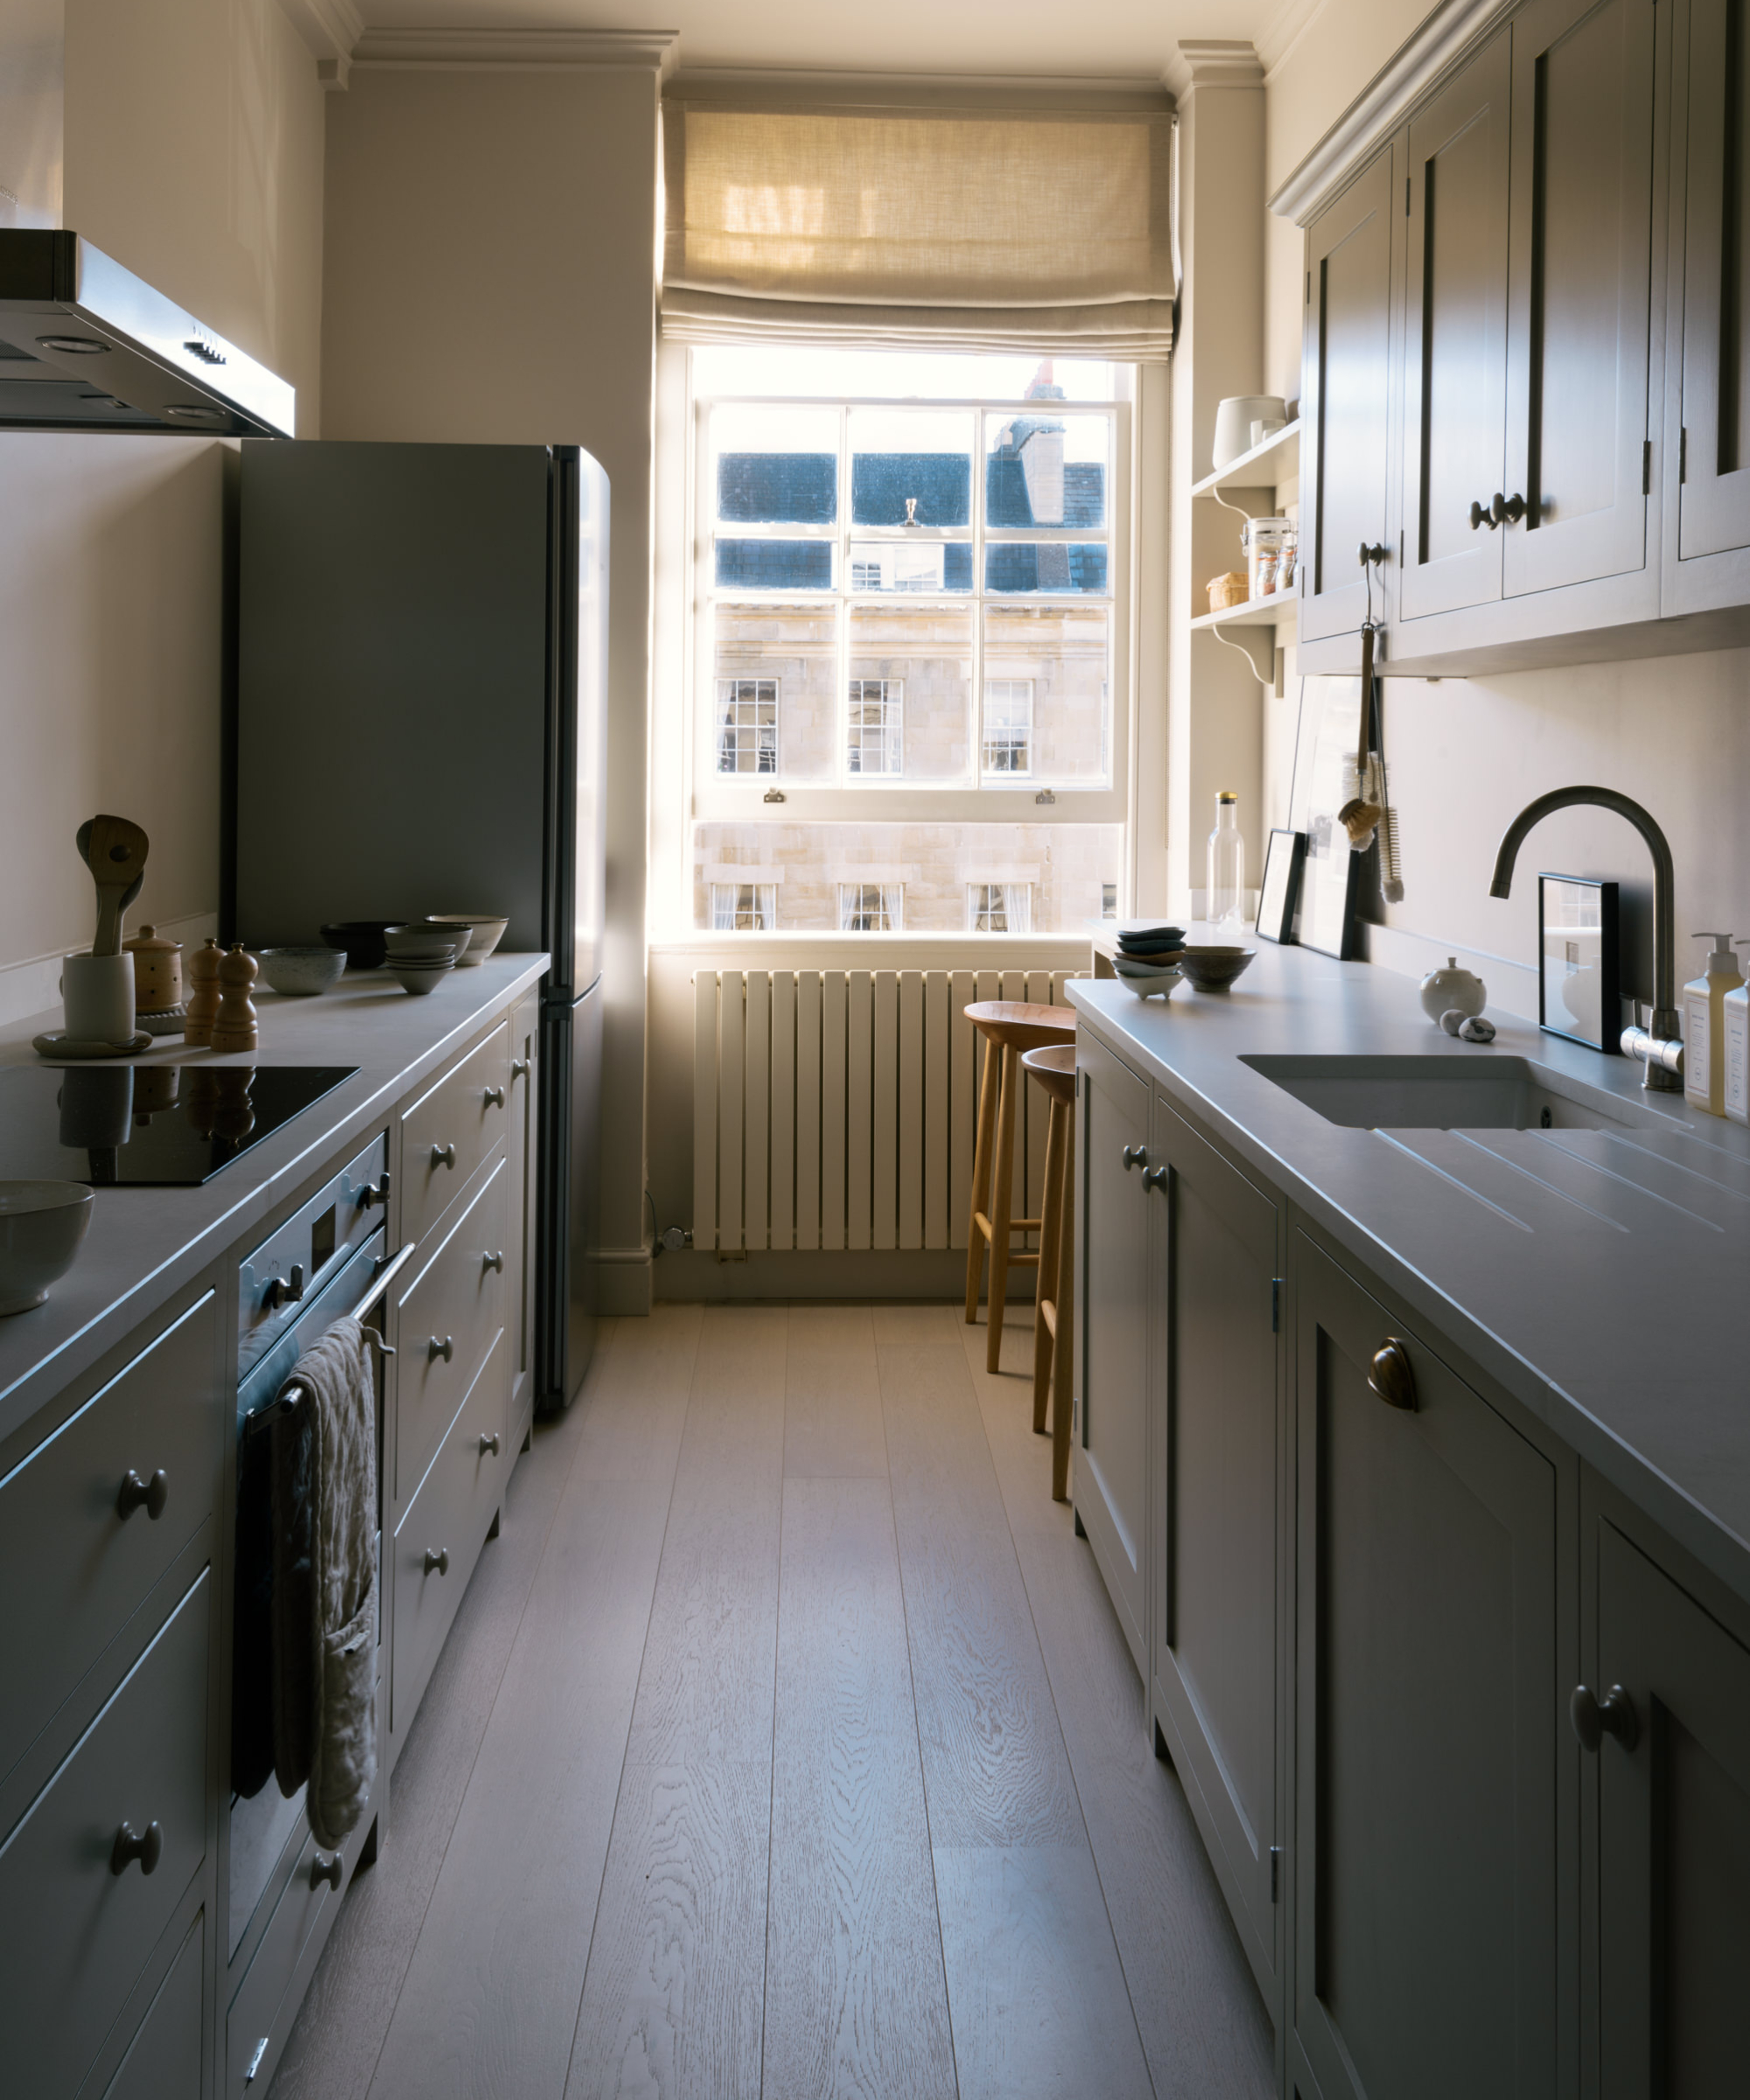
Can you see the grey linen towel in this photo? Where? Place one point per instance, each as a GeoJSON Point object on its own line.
{"type": "Point", "coordinates": [325, 1584]}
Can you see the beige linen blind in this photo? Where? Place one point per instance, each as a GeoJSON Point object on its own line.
{"type": "Point", "coordinates": [932, 229]}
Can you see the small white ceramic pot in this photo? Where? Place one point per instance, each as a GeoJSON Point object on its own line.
{"type": "Point", "coordinates": [1445, 989]}
{"type": "Point", "coordinates": [97, 994]}
{"type": "Point", "coordinates": [41, 1225]}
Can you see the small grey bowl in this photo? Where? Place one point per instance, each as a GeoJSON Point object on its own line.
{"type": "Point", "coordinates": [301, 972]}
{"type": "Point", "coordinates": [41, 1226]}
{"type": "Point", "coordinates": [425, 941]}
{"type": "Point", "coordinates": [419, 975]}
{"type": "Point", "coordinates": [1213, 969]}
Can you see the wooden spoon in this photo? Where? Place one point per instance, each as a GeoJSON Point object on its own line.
{"type": "Point", "coordinates": [1358, 817]}
{"type": "Point", "coordinates": [115, 851]}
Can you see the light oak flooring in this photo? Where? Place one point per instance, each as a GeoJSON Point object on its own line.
{"type": "Point", "coordinates": [786, 1744]}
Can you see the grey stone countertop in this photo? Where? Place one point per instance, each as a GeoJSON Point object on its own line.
{"type": "Point", "coordinates": [144, 1243]}
{"type": "Point", "coordinates": [1601, 1275]}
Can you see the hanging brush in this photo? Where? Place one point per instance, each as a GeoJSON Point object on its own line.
{"type": "Point", "coordinates": [1359, 816]}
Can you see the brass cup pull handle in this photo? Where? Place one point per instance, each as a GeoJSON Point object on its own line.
{"type": "Point", "coordinates": [489, 1446]}
{"type": "Point", "coordinates": [519, 1067]}
{"type": "Point", "coordinates": [1392, 1377]}
{"type": "Point", "coordinates": [1483, 514]}
{"type": "Point", "coordinates": [439, 1560]}
{"type": "Point", "coordinates": [1134, 1155]}
{"type": "Point", "coordinates": [443, 1155]}
{"type": "Point", "coordinates": [446, 1349]}
{"type": "Point", "coordinates": [493, 1097]}
{"type": "Point", "coordinates": [492, 1261]}
{"type": "Point", "coordinates": [1154, 1177]}
{"type": "Point", "coordinates": [323, 1870]}
{"type": "Point", "coordinates": [1507, 510]}
{"type": "Point", "coordinates": [1593, 1719]}
{"type": "Point", "coordinates": [146, 1846]}
{"type": "Point", "coordinates": [150, 1495]}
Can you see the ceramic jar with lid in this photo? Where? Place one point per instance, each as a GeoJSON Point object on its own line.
{"type": "Point", "coordinates": [157, 980]}
{"type": "Point", "coordinates": [1453, 988]}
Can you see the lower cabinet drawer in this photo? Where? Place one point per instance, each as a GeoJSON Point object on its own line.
{"type": "Point", "coordinates": [164, 2059]}
{"type": "Point", "coordinates": [440, 1537]}
{"type": "Point", "coordinates": [447, 1319]}
{"type": "Point", "coordinates": [450, 1128]}
{"type": "Point", "coordinates": [74, 1931]}
{"type": "Point", "coordinates": [67, 1545]}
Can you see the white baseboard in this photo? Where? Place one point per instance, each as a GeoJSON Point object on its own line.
{"type": "Point", "coordinates": [31, 988]}
{"type": "Point", "coordinates": [623, 1282]}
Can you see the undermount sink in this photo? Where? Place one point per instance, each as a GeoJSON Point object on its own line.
{"type": "Point", "coordinates": [1447, 1093]}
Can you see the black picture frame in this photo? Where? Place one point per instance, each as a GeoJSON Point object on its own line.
{"type": "Point", "coordinates": [1328, 873]}
{"type": "Point", "coordinates": [1279, 892]}
{"type": "Point", "coordinates": [1580, 989]}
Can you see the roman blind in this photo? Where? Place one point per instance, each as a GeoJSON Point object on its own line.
{"type": "Point", "coordinates": [939, 228]}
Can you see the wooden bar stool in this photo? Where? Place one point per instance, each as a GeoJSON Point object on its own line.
{"type": "Point", "coordinates": [1009, 1026]}
{"type": "Point", "coordinates": [1054, 1306]}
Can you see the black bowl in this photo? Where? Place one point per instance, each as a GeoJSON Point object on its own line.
{"type": "Point", "coordinates": [363, 939]}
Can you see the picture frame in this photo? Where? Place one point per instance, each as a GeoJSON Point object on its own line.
{"type": "Point", "coordinates": [1329, 881]}
{"type": "Point", "coordinates": [1579, 960]}
{"type": "Point", "coordinates": [1279, 892]}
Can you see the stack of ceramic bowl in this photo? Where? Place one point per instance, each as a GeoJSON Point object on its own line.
{"type": "Point", "coordinates": [1147, 960]}
{"type": "Point", "coordinates": [418, 959]}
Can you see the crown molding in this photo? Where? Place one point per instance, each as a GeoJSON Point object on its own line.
{"type": "Point", "coordinates": [1283, 33]}
{"type": "Point", "coordinates": [330, 29]}
{"type": "Point", "coordinates": [1452, 29]}
{"type": "Point", "coordinates": [1212, 62]}
{"type": "Point", "coordinates": [765, 86]}
{"type": "Point", "coordinates": [519, 50]}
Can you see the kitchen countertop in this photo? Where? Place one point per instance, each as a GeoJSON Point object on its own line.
{"type": "Point", "coordinates": [1599, 1276]}
{"type": "Point", "coordinates": [144, 1243]}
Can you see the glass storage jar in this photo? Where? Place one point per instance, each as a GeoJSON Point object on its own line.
{"type": "Point", "coordinates": [1270, 545]}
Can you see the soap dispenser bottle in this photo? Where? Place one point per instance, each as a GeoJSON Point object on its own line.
{"type": "Point", "coordinates": [1705, 1047]}
{"type": "Point", "coordinates": [1734, 1052]}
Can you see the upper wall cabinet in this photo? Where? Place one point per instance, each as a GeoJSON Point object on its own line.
{"type": "Point", "coordinates": [1568, 345]}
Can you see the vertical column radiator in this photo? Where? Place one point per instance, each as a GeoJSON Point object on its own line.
{"type": "Point", "coordinates": [838, 1109]}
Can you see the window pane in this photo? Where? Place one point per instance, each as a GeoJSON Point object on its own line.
{"type": "Point", "coordinates": [1059, 566]}
{"type": "Point", "coordinates": [875, 722]}
{"type": "Point", "coordinates": [916, 565]}
{"type": "Point", "coordinates": [926, 651]}
{"type": "Point", "coordinates": [909, 467]}
{"type": "Point", "coordinates": [1042, 469]}
{"type": "Point", "coordinates": [790, 652]}
{"type": "Point", "coordinates": [774, 564]}
{"type": "Point", "coordinates": [1061, 655]}
{"type": "Point", "coordinates": [776, 466]}
{"type": "Point", "coordinates": [1046, 879]}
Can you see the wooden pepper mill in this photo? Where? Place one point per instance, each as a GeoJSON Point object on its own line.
{"type": "Point", "coordinates": [235, 1026]}
{"type": "Point", "coordinates": [203, 995]}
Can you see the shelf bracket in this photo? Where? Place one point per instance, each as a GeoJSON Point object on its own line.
{"type": "Point", "coordinates": [1266, 676]}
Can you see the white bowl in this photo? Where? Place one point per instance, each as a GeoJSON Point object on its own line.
{"type": "Point", "coordinates": [483, 935]}
{"type": "Point", "coordinates": [41, 1225]}
{"type": "Point", "coordinates": [417, 974]}
{"type": "Point", "coordinates": [301, 972]}
{"type": "Point", "coordinates": [425, 941]}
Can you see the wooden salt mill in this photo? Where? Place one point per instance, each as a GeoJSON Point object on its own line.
{"type": "Point", "coordinates": [234, 1027]}
{"type": "Point", "coordinates": [203, 995]}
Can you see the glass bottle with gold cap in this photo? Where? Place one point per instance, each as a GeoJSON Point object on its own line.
{"type": "Point", "coordinates": [1225, 905]}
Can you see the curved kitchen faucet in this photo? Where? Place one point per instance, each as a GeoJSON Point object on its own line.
{"type": "Point", "coordinates": [1659, 1048]}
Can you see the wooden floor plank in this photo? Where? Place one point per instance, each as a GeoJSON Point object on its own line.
{"type": "Point", "coordinates": [994, 1769]}
{"type": "Point", "coordinates": [632, 1431]}
{"type": "Point", "coordinates": [899, 1326]}
{"type": "Point", "coordinates": [832, 1395]}
{"type": "Point", "coordinates": [856, 2000]}
{"type": "Point", "coordinates": [1039, 1998]}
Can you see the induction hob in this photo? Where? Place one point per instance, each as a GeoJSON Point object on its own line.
{"type": "Point", "coordinates": [147, 1126]}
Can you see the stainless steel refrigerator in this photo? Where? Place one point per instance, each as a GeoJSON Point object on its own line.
{"type": "Point", "coordinates": [420, 726]}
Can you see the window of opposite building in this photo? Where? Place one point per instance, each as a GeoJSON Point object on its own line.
{"type": "Point", "coordinates": [911, 578]}
{"type": "Point", "coordinates": [870, 907]}
{"type": "Point", "coordinates": [744, 908]}
{"type": "Point", "coordinates": [1000, 907]}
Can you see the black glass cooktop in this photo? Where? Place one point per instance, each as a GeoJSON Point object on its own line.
{"type": "Point", "coordinates": [147, 1126]}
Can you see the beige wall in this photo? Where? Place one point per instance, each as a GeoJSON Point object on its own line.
{"type": "Point", "coordinates": [490, 277]}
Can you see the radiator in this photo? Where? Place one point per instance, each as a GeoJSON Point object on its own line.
{"type": "Point", "coordinates": [839, 1108]}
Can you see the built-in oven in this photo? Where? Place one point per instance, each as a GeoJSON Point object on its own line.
{"type": "Point", "coordinates": [329, 1259]}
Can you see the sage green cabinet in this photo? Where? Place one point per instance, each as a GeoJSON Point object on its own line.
{"type": "Point", "coordinates": [1425, 1944]}
{"type": "Point", "coordinates": [1216, 1446]}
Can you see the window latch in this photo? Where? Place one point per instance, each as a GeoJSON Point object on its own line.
{"type": "Point", "coordinates": [773, 794]}
{"type": "Point", "coordinates": [1045, 795]}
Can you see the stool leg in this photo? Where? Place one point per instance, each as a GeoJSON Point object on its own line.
{"type": "Point", "coordinates": [1051, 1223]}
{"type": "Point", "coordinates": [981, 1176]}
{"type": "Point", "coordinates": [1001, 1206]}
{"type": "Point", "coordinates": [1063, 1352]}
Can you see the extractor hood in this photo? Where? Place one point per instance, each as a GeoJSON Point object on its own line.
{"type": "Point", "coordinates": [86, 346]}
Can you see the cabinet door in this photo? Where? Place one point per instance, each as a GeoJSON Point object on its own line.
{"type": "Point", "coordinates": [1426, 1703]}
{"type": "Point", "coordinates": [1110, 1487]}
{"type": "Point", "coordinates": [1455, 340]}
{"type": "Point", "coordinates": [1345, 385]}
{"type": "Point", "coordinates": [1214, 1446]}
{"type": "Point", "coordinates": [1578, 290]}
{"type": "Point", "coordinates": [1673, 1839]}
{"type": "Point", "coordinates": [1714, 506]}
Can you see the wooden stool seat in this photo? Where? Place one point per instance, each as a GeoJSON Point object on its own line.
{"type": "Point", "coordinates": [1053, 1066]}
{"type": "Point", "coordinates": [1010, 1027]}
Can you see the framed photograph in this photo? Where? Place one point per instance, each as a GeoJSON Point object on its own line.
{"type": "Point", "coordinates": [1280, 891]}
{"type": "Point", "coordinates": [1579, 960]}
{"type": "Point", "coordinates": [1328, 873]}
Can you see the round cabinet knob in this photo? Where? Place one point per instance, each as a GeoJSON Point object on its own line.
{"type": "Point", "coordinates": [1507, 510]}
{"type": "Point", "coordinates": [150, 1495]}
{"type": "Point", "coordinates": [1155, 1177]}
{"type": "Point", "coordinates": [1483, 514]}
{"type": "Point", "coordinates": [146, 1846]}
{"type": "Point", "coordinates": [1594, 1718]}
{"type": "Point", "coordinates": [1392, 1377]}
{"type": "Point", "coordinates": [493, 1097]}
{"type": "Point", "coordinates": [446, 1349]}
{"type": "Point", "coordinates": [492, 1261]}
{"type": "Point", "coordinates": [443, 1155]}
{"type": "Point", "coordinates": [323, 1870]}
{"type": "Point", "coordinates": [439, 1560]}
{"type": "Point", "coordinates": [489, 1446]}
{"type": "Point", "coordinates": [519, 1067]}
{"type": "Point", "coordinates": [1134, 1155]}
